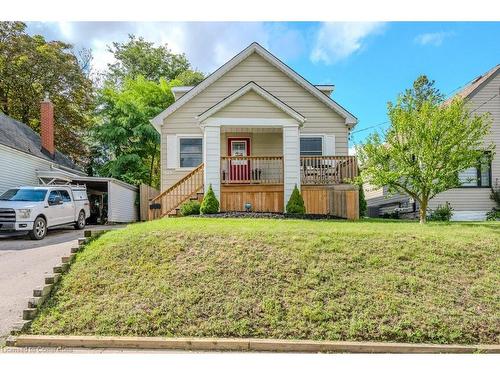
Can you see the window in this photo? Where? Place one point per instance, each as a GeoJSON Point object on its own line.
{"type": "Point", "coordinates": [24, 195]}
{"type": "Point", "coordinates": [311, 146]}
{"type": "Point", "coordinates": [53, 195]}
{"type": "Point", "coordinates": [190, 152]}
{"type": "Point", "coordinates": [478, 176]}
{"type": "Point", "coordinates": [65, 196]}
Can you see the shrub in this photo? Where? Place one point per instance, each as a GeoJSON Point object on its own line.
{"type": "Point", "coordinates": [390, 215]}
{"type": "Point", "coordinates": [295, 204]}
{"type": "Point", "coordinates": [493, 214]}
{"type": "Point", "coordinates": [210, 204]}
{"type": "Point", "coordinates": [495, 195]}
{"type": "Point", "coordinates": [362, 202]}
{"type": "Point", "coordinates": [190, 208]}
{"type": "Point", "coordinates": [442, 213]}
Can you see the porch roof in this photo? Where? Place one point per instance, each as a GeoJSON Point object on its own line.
{"type": "Point", "coordinates": [252, 87]}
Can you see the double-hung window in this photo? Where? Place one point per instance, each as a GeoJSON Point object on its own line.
{"type": "Point", "coordinates": [478, 175]}
{"type": "Point", "coordinates": [311, 146]}
{"type": "Point", "coordinates": [190, 152]}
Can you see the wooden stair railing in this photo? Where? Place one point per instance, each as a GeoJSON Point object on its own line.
{"type": "Point", "coordinates": [177, 194]}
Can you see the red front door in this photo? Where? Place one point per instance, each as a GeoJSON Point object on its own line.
{"type": "Point", "coordinates": [239, 169]}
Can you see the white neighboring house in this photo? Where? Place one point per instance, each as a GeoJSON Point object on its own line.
{"type": "Point", "coordinates": [472, 200]}
{"type": "Point", "coordinates": [254, 129]}
{"type": "Point", "coordinates": [27, 158]}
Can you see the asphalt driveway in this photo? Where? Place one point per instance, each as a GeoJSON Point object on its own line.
{"type": "Point", "coordinates": [23, 266]}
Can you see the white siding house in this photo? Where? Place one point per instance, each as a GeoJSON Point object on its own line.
{"type": "Point", "coordinates": [472, 200]}
{"type": "Point", "coordinates": [250, 130]}
{"type": "Point", "coordinates": [24, 161]}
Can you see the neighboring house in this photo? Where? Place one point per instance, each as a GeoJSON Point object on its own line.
{"type": "Point", "coordinates": [254, 129]}
{"type": "Point", "coordinates": [472, 200]}
{"type": "Point", "coordinates": [27, 158]}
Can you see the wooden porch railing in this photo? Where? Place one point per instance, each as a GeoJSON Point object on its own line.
{"type": "Point", "coordinates": [251, 169]}
{"type": "Point", "coordinates": [177, 194]}
{"type": "Point", "coordinates": [327, 170]}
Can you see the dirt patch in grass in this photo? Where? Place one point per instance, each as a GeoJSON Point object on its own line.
{"type": "Point", "coordinates": [334, 280]}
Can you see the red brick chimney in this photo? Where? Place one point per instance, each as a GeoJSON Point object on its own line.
{"type": "Point", "coordinates": [47, 126]}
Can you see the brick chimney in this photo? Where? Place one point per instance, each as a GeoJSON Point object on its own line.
{"type": "Point", "coordinates": [47, 125]}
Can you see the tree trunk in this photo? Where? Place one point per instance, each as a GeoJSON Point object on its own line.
{"type": "Point", "coordinates": [423, 210]}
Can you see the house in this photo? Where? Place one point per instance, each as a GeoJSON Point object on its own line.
{"type": "Point", "coordinates": [253, 130]}
{"type": "Point", "coordinates": [27, 158]}
{"type": "Point", "coordinates": [470, 201]}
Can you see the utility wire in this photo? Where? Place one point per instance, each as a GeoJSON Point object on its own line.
{"type": "Point", "coordinates": [447, 95]}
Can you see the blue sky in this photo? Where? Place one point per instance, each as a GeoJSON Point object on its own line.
{"type": "Point", "coordinates": [369, 62]}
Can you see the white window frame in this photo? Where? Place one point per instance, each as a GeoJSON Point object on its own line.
{"type": "Point", "coordinates": [187, 136]}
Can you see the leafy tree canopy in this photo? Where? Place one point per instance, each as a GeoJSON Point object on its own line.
{"type": "Point", "coordinates": [136, 88]}
{"type": "Point", "coordinates": [29, 67]}
{"type": "Point", "coordinates": [140, 57]}
{"type": "Point", "coordinates": [124, 130]}
{"type": "Point", "coordinates": [427, 144]}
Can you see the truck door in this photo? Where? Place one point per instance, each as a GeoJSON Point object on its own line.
{"type": "Point", "coordinates": [54, 208]}
{"type": "Point", "coordinates": [68, 207]}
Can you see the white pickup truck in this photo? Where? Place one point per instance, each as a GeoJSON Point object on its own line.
{"type": "Point", "coordinates": [36, 208]}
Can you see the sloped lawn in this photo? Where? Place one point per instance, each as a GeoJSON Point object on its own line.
{"type": "Point", "coordinates": [335, 280]}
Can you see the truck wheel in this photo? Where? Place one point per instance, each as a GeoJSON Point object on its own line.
{"type": "Point", "coordinates": [80, 224]}
{"type": "Point", "coordinates": [39, 230]}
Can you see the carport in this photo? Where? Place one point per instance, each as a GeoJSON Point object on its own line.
{"type": "Point", "coordinates": [111, 200]}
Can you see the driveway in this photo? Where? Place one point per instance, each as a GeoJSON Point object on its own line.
{"type": "Point", "coordinates": [23, 266]}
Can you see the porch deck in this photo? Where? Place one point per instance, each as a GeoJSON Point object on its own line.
{"type": "Point", "coordinates": [326, 184]}
{"type": "Point", "coordinates": [268, 170]}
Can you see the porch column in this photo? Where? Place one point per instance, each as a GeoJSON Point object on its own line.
{"type": "Point", "coordinates": [291, 160]}
{"type": "Point", "coordinates": [211, 158]}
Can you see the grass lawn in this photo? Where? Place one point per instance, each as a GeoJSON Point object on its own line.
{"type": "Point", "coordinates": [334, 280]}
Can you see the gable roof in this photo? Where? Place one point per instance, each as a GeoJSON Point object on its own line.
{"type": "Point", "coordinates": [252, 86]}
{"type": "Point", "coordinates": [273, 60]}
{"type": "Point", "coordinates": [476, 83]}
{"type": "Point", "coordinates": [21, 137]}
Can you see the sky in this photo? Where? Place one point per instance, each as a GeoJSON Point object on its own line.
{"type": "Point", "coordinates": [368, 62]}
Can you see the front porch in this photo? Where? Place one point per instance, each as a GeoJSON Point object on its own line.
{"type": "Point", "coordinates": [258, 181]}
{"type": "Point", "coordinates": [255, 151]}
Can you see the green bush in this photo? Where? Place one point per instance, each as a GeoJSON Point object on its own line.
{"type": "Point", "coordinates": [493, 214]}
{"type": "Point", "coordinates": [362, 202]}
{"type": "Point", "coordinates": [390, 215]}
{"type": "Point", "coordinates": [210, 204]}
{"type": "Point", "coordinates": [442, 213]}
{"type": "Point", "coordinates": [295, 204]}
{"type": "Point", "coordinates": [190, 208]}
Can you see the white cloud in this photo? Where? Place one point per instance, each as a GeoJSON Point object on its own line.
{"type": "Point", "coordinates": [433, 39]}
{"type": "Point", "coordinates": [338, 40]}
{"type": "Point", "coordinates": [210, 44]}
{"type": "Point", "coordinates": [207, 45]}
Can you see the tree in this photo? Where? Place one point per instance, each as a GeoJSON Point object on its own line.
{"type": "Point", "coordinates": [427, 144]}
{"type": "Point", "coordinates": [135, 89]}
{"type": "Point", "coordinates": [189, 78]}
{"type": "Point", "coordinates": [140, 57]}
{"type": "Point", "coordinates": [29, 67]}
{"type": "Point", "coordinates": [363, 207]}
{"type": "Point", "coordinates": [123, 128]}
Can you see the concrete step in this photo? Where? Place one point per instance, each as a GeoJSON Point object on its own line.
{"type": "Point", "coordinates": [29, 314]}
{"type": "Point", "coordinates": [19, 326]}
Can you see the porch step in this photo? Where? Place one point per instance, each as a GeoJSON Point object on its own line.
{"type": "Point", "coordinates": [184, 190]}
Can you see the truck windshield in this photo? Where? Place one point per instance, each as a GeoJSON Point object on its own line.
{"type": "Point", "coordinates": [24, 195]}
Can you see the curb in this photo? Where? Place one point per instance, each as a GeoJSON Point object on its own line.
{"type": "Point", "coordinates": [228, 344]}
{"type": "Point", "coordinates": [41, 293]}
